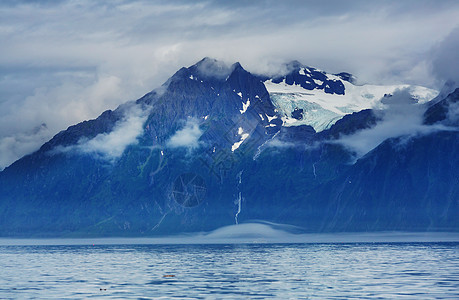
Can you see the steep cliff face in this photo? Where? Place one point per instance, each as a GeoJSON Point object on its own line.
{"type": "Point", "coordinates": [445, 111]}
{"type": "Point", "coordinates": [210, 148]}
{"type": "Point", "coordinates": [403, 183]}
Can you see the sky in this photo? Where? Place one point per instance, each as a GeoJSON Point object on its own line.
{"type": "Point", "coordinates": [62, 62]}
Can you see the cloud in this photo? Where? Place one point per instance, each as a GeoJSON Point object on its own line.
{"type": "Point", "coordinates": [453, 114]}
{"type": "Point", "coordinates": [187, 137]}
{"type": "Point", "coordinates": [66, 61]}
{"type": "Point", "coordinates": [277, 143]}
{"type": "Point", "coordinates": [57, 107]}
{"type": "Point", "coordinates": [251, 233]}
{"type": "Point", "coordinates": [402, 116]}
{"type": "Point", "coordinates": [209, 67]}
{"type": "Point", "coordinates": [445, 58]}
{"type": "Point", "coordinates": [18, 145]}
{"type": "Point", "coordinates": [110, 146]}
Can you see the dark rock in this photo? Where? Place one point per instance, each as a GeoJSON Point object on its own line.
{"type": "Point", "coordinates": [297, 113]}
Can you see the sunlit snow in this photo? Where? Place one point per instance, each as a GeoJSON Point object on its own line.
{"type": "Point", "coordinates": [271, 118]}
{"type": "Point", "coordinates": [243, 135]}
{"type": "Point", "coordinates": [245, 106]}
{"type": "Point", "coordinates": [318, 82]}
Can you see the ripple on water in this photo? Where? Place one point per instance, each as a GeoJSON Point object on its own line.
{"type": "Point", "coordinates": [316, 271]}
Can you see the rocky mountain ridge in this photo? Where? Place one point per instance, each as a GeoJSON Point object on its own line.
{"type": "Point", "coordinates": [211, 148]}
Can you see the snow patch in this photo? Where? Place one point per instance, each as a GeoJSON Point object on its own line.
{"type": "Point", "coordinates": [318, 82]}
{"type": "Point", "coordinates": [245, 106]}
{"type": "Point", "coordinates": [243, 135]}
{"type": "Point", "coordinates": [333, 77]}
{"type": "Point", "coordinates": [271, 118]}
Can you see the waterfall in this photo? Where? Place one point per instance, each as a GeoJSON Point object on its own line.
{"type": "Point", "coordinates": [239, 199]}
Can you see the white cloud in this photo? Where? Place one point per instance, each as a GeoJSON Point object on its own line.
{"type": "Point", "coordinates": [110, 146]}
{"type": "Point", "coordinates": [453, 113]}
{"type": "Point", "coordinates": [402, 117]}
{"type": "Point", "coordinates": [445, 58]}
{"type": "Point", "coordinates": [57, 107]}
{"type": "Point", "coordinates": [18, 145]}
{"type": "Point", "coordinates": [187, 137]}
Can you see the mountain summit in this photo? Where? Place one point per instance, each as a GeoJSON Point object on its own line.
{"type": "Point", "coordinates": [217, 145]}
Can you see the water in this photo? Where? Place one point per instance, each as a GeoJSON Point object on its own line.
{"type": "Point", "coordinates": [255, 271]}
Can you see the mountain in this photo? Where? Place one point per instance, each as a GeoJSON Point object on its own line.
{"type": "Point", "coordinates": [216, 145]}
{"type": "Point", "coordinates": [445, 111]}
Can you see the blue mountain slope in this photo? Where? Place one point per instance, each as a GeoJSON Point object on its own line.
{"type": "Point", "coordinates": [209, 149]}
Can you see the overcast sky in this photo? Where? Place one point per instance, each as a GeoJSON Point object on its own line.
{"type": "Point", "coordinates": [62, 62]}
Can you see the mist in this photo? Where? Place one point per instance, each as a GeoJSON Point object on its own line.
{"type": "Point", "coordinates": [252, 233]}
{"type": "Point", "coordinates": [187, 137]}
{"type": "Point", "coordinates": [445, 57]}
{"type": "Point", "coordinates": [401, 116]}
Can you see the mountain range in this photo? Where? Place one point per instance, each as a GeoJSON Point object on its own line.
{"type": "Point", "coordinates": [216, 145]}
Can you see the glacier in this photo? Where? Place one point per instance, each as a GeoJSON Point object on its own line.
{"type": "Point", "coordinates": [321, 109]}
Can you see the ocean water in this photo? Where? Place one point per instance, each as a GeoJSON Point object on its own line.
{"type": "Point", "coordinates": [231, 271]}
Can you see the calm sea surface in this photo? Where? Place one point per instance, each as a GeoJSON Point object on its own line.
{"type": "Point", "coordinates": [255, 271]}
